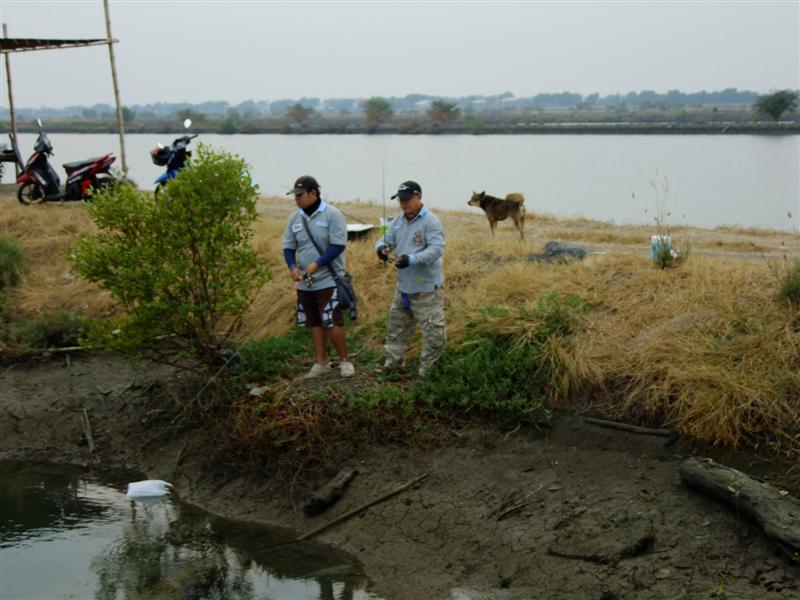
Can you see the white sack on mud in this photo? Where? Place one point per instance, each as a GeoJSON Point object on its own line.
{"type": "Point", "coordinates": [148, 488]}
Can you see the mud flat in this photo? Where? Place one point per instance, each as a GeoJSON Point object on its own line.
{"type": "Point", "coordinates": [576, 511]}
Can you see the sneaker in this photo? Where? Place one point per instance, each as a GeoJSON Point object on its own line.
{"type": "Point", "coordinates": [346, 369]}
{"type": "Point", "coordinates": [317, 371]}
{"type": "Point", "coordinates": [424, 371]}
{"type": "Point", "coordinates": [388, 366]}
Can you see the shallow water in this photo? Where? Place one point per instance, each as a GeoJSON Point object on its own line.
{"type": "Point", "coordinates": [64, 534]}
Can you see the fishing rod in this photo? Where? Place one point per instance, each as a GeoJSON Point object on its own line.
{"type": "Point", "coordinates": [383, 198]}
{"type": "Point", "coordinates": [384, 224]}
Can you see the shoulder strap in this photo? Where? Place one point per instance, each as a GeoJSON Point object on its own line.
{"type": "Point", "coordinates": [316, 245]}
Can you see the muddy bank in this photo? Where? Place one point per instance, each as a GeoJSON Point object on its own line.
{"type": "Point", "coordinates": [574, 512]}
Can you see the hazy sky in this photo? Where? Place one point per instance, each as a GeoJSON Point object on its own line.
{"type": "Point", "coordinates": [173, 51]}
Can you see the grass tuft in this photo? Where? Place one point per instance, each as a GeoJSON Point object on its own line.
{"type": "Point", "coordinates": [790, 285]}
{"type": "Point", "coordinates": [12, 263]}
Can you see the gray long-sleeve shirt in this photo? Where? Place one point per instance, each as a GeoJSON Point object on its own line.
{"type": "Point", "coordinates": [422, 239]}
{"type": "Point", "coordinates": [328, 226]}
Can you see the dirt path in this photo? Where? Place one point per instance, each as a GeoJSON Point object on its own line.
{"type": "Point", "coordinates": [601, 513]}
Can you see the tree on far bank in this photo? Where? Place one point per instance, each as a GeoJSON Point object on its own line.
{"type": "Point", "coordinates": [299, 114]}
{"type": "Point", "coordinates": [230, 123]}
{"type": "Point", "coordinates": [443, 113]}
{"type": "Point", "coordinates": [776, 103]}
{"type": "Point", "coordinates": [378, 111]}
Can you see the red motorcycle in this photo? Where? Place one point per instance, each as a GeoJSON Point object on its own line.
{"type": "Point", "coordinates": [40, 182]}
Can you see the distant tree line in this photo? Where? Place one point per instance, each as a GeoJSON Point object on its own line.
{"type": "Point", "coordinates": [418, 103]}
{"type": "Point", "coordinates": [435, 115]}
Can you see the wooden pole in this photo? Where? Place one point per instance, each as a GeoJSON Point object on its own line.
{"type": "Point", "coordinates": [120, 123]}
{"type": "Point", "coordinates": [11, 101]}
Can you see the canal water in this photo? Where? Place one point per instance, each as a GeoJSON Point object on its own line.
{"type": "Point", "coordinates": [698, 180]}
{"type": "Point", "coordinates": [65, 534]}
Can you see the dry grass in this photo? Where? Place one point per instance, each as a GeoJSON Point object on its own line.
{"type": "Point", "coordinates": [45, 234]}
{"type": "Point", "coordinates": [704, 348]}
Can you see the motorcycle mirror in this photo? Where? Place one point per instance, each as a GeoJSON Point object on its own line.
{"type": "Point", "coordinates": [187, 123]}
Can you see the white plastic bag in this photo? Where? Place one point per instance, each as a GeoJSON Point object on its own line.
{"type": "Point", "coordinates": [148, 488]}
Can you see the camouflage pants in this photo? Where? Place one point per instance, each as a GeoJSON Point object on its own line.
{"type": "Point", "coordinates": [425, 308]}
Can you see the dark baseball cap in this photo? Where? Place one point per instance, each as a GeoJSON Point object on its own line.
{"type": "Point", "coordinates": [407, 189]}
{"type": "Point", "coordinates": [304, 183]}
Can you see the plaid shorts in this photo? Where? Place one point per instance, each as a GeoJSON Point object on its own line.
{"type": "Point", "coordinates": [319, 309]}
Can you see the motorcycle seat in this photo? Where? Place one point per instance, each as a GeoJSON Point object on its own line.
{"type": "Point", "coordinates": [72, 166]}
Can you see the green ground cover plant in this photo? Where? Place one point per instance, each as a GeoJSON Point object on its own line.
{"type": "Point", "coordinates": [49, 331]}
{"type": "Point", "coordinates": [505, 368]}
{"type": "Point", "coordinates": [508, 363]}
{"type": "Point", "coordinates": [267, 359]}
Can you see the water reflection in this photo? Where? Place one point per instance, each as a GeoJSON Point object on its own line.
{"type": "Point", "coordinates": [63, 535]}
{"type": "Point", "coordinates": [33, 505]}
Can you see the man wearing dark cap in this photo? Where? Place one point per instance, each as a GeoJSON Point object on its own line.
{"type": "Point", "coordinates": [417, 239]}
{"type": "Point", "coordinates": [317, 301]}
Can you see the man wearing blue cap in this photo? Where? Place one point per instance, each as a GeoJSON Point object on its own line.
{"type": "Point", "coordinates": [417, 239]}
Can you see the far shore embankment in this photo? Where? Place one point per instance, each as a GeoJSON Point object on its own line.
{"type": "Point", "coordinates": [467, 128]}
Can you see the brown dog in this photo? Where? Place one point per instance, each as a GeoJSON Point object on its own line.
{"type": "Point", "coordinates": [497, 209]}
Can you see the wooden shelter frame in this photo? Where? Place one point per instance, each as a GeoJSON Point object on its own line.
{"type": "Point", "coordinates": [9, 45]}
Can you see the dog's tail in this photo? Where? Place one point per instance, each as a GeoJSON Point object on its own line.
{"type": "Point", "coordinates": [516, 197]}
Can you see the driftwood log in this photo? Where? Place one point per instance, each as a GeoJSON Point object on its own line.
{"type": "Point", "coordinates": [774, 510]}
{"type": "Point", "coordinates": [329, 494]}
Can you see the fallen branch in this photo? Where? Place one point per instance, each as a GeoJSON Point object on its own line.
{"type": "Point", "coordinates": [57, 350]}
{"type": "Point", "coordinates": [361, 508]}
{"type": "Point", "coordinates": [630, 428]}
{"type": "Point", "coordinates": [87, 430]}
{"type": "Point", "coordinates": [773, 509]}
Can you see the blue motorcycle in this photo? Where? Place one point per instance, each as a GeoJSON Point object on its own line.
{"type": "Point", "coordinates": [173, 157]}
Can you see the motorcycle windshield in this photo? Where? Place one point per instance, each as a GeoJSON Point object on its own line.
{"type": "Point", "coordinates": [43, 144]}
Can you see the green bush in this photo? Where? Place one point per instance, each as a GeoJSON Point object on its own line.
{"type": "Point", "coordinates": [181, 266]}
{"type": "Point", "coordinates": [12, 263]}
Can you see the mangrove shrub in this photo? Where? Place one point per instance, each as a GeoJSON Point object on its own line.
{"type": "Point", "coordinates": [180, 266]}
